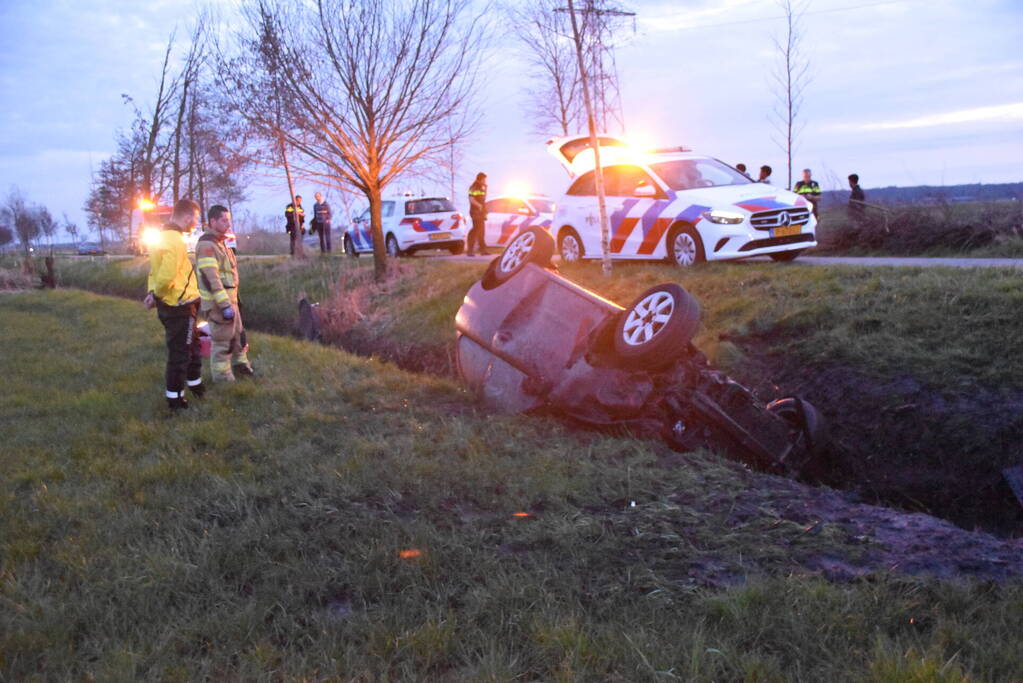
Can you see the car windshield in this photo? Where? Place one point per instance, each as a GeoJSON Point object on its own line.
{"type": "Point", "coordinates": [435, 205]}
{"type": "Point", "coordinates": [691, 174]}
{"type": "Point", "coordinates": [542, 205]}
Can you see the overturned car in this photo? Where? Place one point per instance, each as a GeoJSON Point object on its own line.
{"type": "Point", "coordinates": [530, 340]}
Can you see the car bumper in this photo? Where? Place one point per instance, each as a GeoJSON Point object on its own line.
{"type": "Point", "coordinates": [419, 245]}
{"type": "Point", "coordinates": [757, 243]}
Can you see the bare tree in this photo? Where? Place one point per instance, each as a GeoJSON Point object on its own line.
{"type": "Point", "coordinates": [71, 229]}
{"type": "Point", "coordinates": [6, 235]}
{"type": "Point", "coordinates": [47, 226]}
{"type": "Point", "coordinates": [791, 74]}
{"type": "Point", "coordinates": [22, 218]}
{"type": "Point", "coordinates": [388, 88]}
{"type": "Point", "coordinates": [186, 83]}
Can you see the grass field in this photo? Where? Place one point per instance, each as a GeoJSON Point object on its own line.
{"type": "Point", "coordinates": [340, 518]}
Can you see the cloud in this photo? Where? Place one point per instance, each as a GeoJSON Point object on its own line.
{"type": "Point", "coordinates": [1001, 113]}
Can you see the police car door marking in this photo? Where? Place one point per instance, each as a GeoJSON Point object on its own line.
{"type": "Point", "coordinates": [622, 225]}
{"type": "Point", "coordinates": [507, 228]}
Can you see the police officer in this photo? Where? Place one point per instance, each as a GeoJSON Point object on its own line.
{"type": "Point", "coordinates": [322, 218]}
{"type": "Point", "coordinates": [810, 190]}
{"type": "Point", "coordinates": [175, 294]}
{"type": "Point", "coordinates": [218, 287]}
{"type": "Point", "coordinates": [295, 226]}
{"type": "Point", "coordinates": [478, 213]}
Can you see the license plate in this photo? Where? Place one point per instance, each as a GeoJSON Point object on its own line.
{"type": "Point", "coordinates": [440, 235]}
{"type": "Point", "coordinates": [788, 230]}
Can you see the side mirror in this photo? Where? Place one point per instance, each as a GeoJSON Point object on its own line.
{"type": "Point", "coordinates": [645, 191]}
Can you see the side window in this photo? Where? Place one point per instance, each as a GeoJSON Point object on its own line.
{"type": "Point", "coordinates": [387, 209]}
{"type": "Point", "coordinates": [364, 216]}
{"type": "Point", "coordinates": [520, 207]}
{"type": "Point", "coordinates": [627, 179]}
{"type": "Point", "coordinates": [585, 186]}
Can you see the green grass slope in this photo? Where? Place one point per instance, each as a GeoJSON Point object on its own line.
{"type": "Point", "coordinates": [261, 535]}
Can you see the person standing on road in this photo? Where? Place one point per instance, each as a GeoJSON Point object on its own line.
{"type": "Point", "coordinates": [294, 215]}
{"type": "Point", "coordinates": [765, 175]}
{"type": "Point", "coordinates": [322, 217]}
{"type": "Point", "coordinates": [478, 213]}
{"type": "Point", "coordinates": [857, 199]}
{"type": "Point", "coordinates": [810, 190]}
{"type": "Point", "coordinates": [218, 288]}
{"type": "Point", "coordinates": [173, 290]}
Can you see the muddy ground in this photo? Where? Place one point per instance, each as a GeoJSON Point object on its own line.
{"type": "Point", "coordinates": [912, 469]}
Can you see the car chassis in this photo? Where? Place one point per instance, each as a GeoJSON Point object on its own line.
{"type": "Point", "coordinates": [529, 340]}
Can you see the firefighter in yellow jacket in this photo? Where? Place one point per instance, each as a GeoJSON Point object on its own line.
{"type": "Point", "coordinates": [218, 286]}
{"type": "Point", "coordinates": [173, 291]}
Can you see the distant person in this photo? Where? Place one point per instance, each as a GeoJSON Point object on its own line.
{"type": "Point", "coordinates": [857, 199]}
{"type": "Point", "coordinates": [810, 190]}
{"type": "Point", "coordinates": [741, 168]}
{"type": "Point", "coordinates": [765, 175]}
{"type": "Point", "coordinates": [478, 213]}
{"type": "Point", "coordinates": [173, 290]}
{"type": "Point", "coordinates": [294, 226]}
{"type": "Point", "coordinates": [321, 221]}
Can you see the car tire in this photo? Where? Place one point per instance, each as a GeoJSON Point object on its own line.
{"type": "Point", "coordinates": [656, 329]}
{"type": "Point", "coordinates": [570, 247]}
{"type": "Point", "coordinates": [685, 247]}
{"type": "Point", "coordinates": [393, 250]}
{"type": "Point", "coordinates": [785, 256]}
{"type": "Point", "coordinates": [350, 248]}
{"type": "Point", "coordinates": [457, 249]}
{"type": "Point", "coordinates": [533, 245]}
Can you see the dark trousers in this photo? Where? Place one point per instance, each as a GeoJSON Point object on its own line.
{"type": "Point", "coordinates": [323, 230]}
{"type": "Point", "coordinates": [184, 350]}
{"type": "Point", "coordinates": [293, 237]}
{"type": "Point", "coordinates": [475, 236]}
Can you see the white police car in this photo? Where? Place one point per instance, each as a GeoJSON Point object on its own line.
{"type": "Point", "coordinates": [507, 216]}
{"type": "Point", "coordinates": [410, 224]}
{"type": "Point", "coordinates": [674, 205]}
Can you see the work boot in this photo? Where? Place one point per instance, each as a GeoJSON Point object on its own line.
{"type": "Point", "coordinates": [243, 369]}
{"type": "Point", "coordinates": [177, 404]}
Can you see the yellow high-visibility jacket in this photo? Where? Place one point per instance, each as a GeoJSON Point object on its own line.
{"type": "Point", "coordinates": [172, 277]}
{"type": "Point", "coordinates": [218, 272]}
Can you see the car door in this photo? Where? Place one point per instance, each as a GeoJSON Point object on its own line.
{"type": "Point", "coordinates": [513, 215]}
{"type": "Point", "coordinates": [634, 204]}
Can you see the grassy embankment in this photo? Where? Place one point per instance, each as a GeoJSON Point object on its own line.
{"type": "Point", "coordinates": [260, 535]}
{"type": "Point", "coordinates": [909, 365]}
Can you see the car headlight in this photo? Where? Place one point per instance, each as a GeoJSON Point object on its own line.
{"type": "Point", "coordinates": [727, 217]}
{"type": "Point", "coordinates": [151, 237]}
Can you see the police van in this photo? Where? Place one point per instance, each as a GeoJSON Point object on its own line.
{"type": "Point", "coordinates": [675, 205]}
{"type": "Point", "coordinates": [410, 224]}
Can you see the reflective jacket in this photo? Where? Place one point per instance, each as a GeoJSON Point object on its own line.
{"type": "Point", "coordinates": [811, 190]}
{"type": "Point", "coordinates": [172, 277]}
{"type": "Point", "coordinates": [218, 272]}
{"type": "Point", "coordinates": [477, 199]}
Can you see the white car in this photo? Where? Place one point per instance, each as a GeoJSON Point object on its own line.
{"type": "Point", "coordinates": [508, 216]}
{"type": "Point", "coordinates": [410, 224]}
{"type": "Point", "coordinates": [674, 205]}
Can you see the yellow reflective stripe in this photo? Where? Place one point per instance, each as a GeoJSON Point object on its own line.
{"type": "Point", "coordinates": [220, 296]}
{"type": "Point", "coordinates": [477, 193]}
{"type": "Point", "coordinates": [207, 262]}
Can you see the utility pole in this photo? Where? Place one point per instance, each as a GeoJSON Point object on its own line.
{"type": "Point", "coordinates": [591, 13]}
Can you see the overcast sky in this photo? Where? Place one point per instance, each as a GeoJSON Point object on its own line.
{"type": "Point", "coordinates": [903, 92]}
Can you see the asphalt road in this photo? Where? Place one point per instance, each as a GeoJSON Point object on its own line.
{"type": "Point", "coordinates": [893, 261]}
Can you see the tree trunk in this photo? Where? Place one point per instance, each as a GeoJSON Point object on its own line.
{"type": "Point", "coordinates": [376, 226]}
{"type": "Point", "coordinates": [296, 236]}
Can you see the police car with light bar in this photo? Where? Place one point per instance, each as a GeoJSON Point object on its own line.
{"type": "Point", "coordinates": [675, 205]}
{"type": "Point", "coordinates": [410, 224]}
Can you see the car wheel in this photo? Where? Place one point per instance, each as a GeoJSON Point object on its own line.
{"type": "Point", "coordinates": [457, 249]}
{"type": "Point", "coordinates": [392, 247]}
{"type": "Point", "coordinates": [534, 245]}
{"type": "Point", "coordinates": [685, 248]}
{"type": "Point", "coordinates": [350, 248]}
{"type": "Point", "coordinates": [785, 256]}
{"type": "Point", "coordinates": [657, 328]}
{"type": "Point", "coordinates": [570, 246]}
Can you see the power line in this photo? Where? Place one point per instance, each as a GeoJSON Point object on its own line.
{"type": "Point", "coordinates": [822, 11]}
